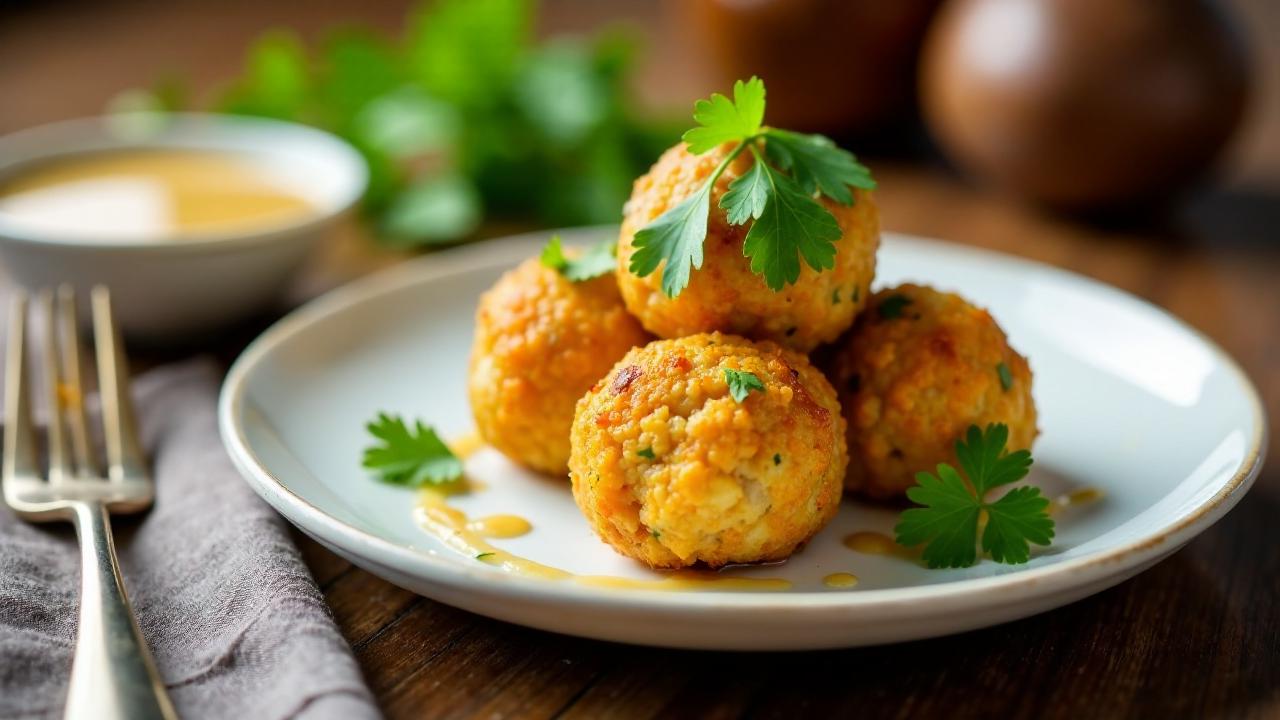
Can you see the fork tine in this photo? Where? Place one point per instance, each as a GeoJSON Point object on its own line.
{"type": "Point", "coordinates": [19, 433]}
{"type": "Point", "coordinates": [59, 455]}
{"type": "Point", "coordinates": [124, 455]}
{"type": "Point", "coordinates": [69, 344]}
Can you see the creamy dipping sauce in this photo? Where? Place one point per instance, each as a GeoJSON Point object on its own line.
{"type": "Point", "coordinates": [149, 194]}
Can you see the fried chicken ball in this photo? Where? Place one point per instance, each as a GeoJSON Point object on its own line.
{"type": "Point", "coordinates": [671, 470]}
{"type": "Point", "coordinates": [725, 294]}
{"type": "Point", "coordinates": [917, 369]}
{"type": "Point", "coordinates": [541, 342]}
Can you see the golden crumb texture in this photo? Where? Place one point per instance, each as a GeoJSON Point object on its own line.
{"type": "Point", "coordinates": [541, 341]}
{"type": "Point", "coordinates": [671, 470]}
{"type": "Point", "coordinates": [725, 295]}
{"type": "Point", "coordinates": [916, 371]}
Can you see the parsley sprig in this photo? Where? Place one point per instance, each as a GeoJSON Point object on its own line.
{"type": "Point", "coordinates": [777, 195]}
{"type": "Point", "coordinates": [406, 456]}
{"type": "Point", "coordinates": [592, 263]}
{"type": "Point", "coordinates": [948, 521]}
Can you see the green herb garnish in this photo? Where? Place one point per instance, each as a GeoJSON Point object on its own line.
{"type": "Point", "coordinates": [409, 456]}
{"type": "Point", "coordinates": [741, 383]}
{"type": "Point", "coordinates": [1006, 377]}
{"type": "Point", "coordinates": [777, 459]}
{"type": "Point", "coordinates": [594, 262]}
{"type": "Point", "coordinates": [482, 556]}
{"type": "Point", "coordinates": [462, 113]}
{"type": "Point", "coordinates": [777, 195]}
{"type": "Point", "coordinates": [892, 306]}
{"type": "Point", "coordinates": [948, 521]}
{"type": "Point", "coordinates": [646, 453]}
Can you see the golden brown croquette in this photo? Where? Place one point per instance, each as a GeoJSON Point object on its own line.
{"type": "Point", "coordinates": [725, 295]}
{"type": "Point", "coordinates": [669, 468]}
{"type": "Point", "coordinates": [916, 371]}
{"type": "Point", "coordinates": [541, 342]}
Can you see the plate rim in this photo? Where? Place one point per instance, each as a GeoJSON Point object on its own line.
{"type": "Point", "coordinates": [1040, 581]}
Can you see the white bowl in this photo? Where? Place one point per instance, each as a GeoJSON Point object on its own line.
{"type": "Point", "coordinates": [181, 286]}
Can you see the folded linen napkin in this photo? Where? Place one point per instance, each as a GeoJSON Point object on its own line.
{"type": "Point", "coordinates": [233, 617]}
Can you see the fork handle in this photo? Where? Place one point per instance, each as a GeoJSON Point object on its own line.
{"type": "Point", "coordinates": [113, 675]}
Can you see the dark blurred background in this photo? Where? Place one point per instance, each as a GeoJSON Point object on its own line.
{"type": "Point", "coordinates": [856, 73]}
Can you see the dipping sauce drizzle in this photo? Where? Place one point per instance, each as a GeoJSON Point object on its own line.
{"type": "Point", "coordinates": [452, 526]}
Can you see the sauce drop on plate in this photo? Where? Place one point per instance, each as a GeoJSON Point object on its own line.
{"type": "Point", "coordinates": [1076, 498]}
{"type": "Point", "coordinates": [500, 526]}
{"type": "Point", "coordinates": [871, 543]}
{"type": "Point", "coordinates": [149, 194]}
{"type": "Point", "coordinates": [464, 446]}
{"type": "Point", "coordinates": [840, 580]}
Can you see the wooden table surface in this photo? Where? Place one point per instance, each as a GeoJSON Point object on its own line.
{"type": "Point", "coordinates": [1198, 635]}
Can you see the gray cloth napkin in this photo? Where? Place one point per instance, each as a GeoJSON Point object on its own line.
{"type": "Point", "coordinates": [233, 617]}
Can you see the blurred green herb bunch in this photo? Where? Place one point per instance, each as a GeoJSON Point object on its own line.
{"type": "Point", "coordinates": [463, 119]}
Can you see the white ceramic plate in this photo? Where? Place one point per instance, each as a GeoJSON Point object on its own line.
{"type": "Point", "coordinates": [1131, 402]}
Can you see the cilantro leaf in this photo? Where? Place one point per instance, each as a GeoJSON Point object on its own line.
{"type": "Point", "coordinates": [646, 453]}
{"type": "Point", "coordinates": [818, 164]}
{"type": "Point", "coordinates": [747, 195]}
{"type": "Point", "coordinates": [791, 224]}
{"type": "Point", "coordinates": [409, 456]}
{"type": "Point", "coordinates": [722, 120]}
{"type": "Point", "coordinates": [594, 262]}
{"type": "Point", "coordinates": [947, 521]}
{"type": "Point", "coordinates": [676, 237]}
{"type": "Point", "coordinates": [741, 383]}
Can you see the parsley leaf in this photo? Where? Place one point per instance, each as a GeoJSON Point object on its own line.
{"type": "Point", "coordinates": [676, 237]}
{"type": "Point", "coordinates": [817, 164]}
{"type": "Point", "coordinates": [409, 456]}
{"type": "Point", "coordinates": [594, 262]}
{"type": "Point", "coordinates": [792, 223]}
{"type": "Point", "coordinates": [746, 197]}
{"type": "Point", "coordinates": [891, 307]}
{"type": "Point", "coordinates": [947, 522]}
{"type": "Point", "coordinates": [1014, 520]}
{"type": "Point", "coordinates": [1006, 377]}
{"type": "Point", "coordinates": [777, 194]}
{"type": "Point", "coordinates": [741, 383]}
{"type": "Point", "coordinates": [723, 120]}
{"type": "Point", "coordinates": [646, 453]}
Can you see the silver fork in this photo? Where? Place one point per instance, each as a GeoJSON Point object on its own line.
{"type": "Point", "coordinates": [113, 675]}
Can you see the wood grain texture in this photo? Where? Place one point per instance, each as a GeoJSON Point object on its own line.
{"type": "Point", "coordinates": [1196, 636]}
